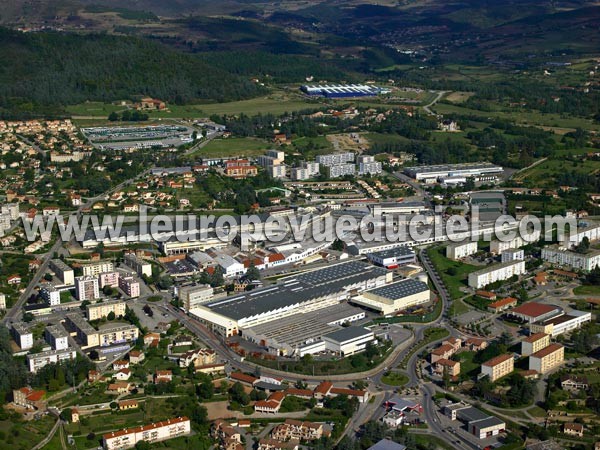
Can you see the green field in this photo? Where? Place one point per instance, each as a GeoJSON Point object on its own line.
{"type": "Point", "coordinates": [94, 109]}
{"type": "Point", "coordinates": [545, 173]}
{"type": "Point", "coordinates": [394, 379]}
{"type": "Point", "coordinates": [587, 290]}
{"type": "Point", "coordinates": [18, 435]}
{"type": "Point", "coordinates": [234, 147]}
{"type": "Point", "coordinates": [453, 281]}
{"type": "Point", "coordinates": [467, 366]}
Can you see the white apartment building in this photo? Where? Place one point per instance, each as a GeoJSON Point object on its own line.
{"type": "Point", "coordinates": [368, 166]}
{"type": "Point", "coordinates": [57, 337]}
{"type": "Point", "coordinates": [155, 432]}
{"type": "Point", "coordinates": [130, 286]}
{"type": "Point", "coordinates": [87, 288]}
{"type": "Point", "coordinates": [22, 335]}
{"type": "Point", "coordinates": [513, 254]}
{"type": "Point", "coordinates": [38, 360]}
{"type": "Point", "coordinates": [192, 296]}
{"type": "Point", "coordinates": [95, 311]}
{"type": "Point", "coordinates": [277, 171]}
{"type": "Point", "coordinates": [459, 250]}
{"type": "Point", "coordinates": [306, 171]}
{"type": "Point", "coordinates": [592, 233]}
{"type": "Point", "coordinates": [50, 294]}
{"type": "Point", "coordinates": [96, 269]}
{"type": "Point", "coordinates": [2, 302]}
{"type": "Point", "coordinates": [563, 257]}
{"type": "Point", "coordinates": [497, 246]}
{"type": "Point", "coordinates": [340, 170]}
{"type": "Point", "coordinates": [497, 272]}
{"type": "Point", "coordinates": [335, 158]}
{"type": "Point", "coordinates": [62, 271]}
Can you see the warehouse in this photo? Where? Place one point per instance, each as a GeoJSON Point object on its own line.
{"type": "Point", "coordinates": [432, 173]}
{"type": "Point", "coordinates": [394, 297]}
{"type": "Point", "coordinates": [348, 341]}
{"type": "Point", "coordinates": [342, 90]}
{"type": "Point", "coordinates": [394, 257]}
{"type": "Point", "coordinates": [309, 291]}
{"type": "Point", "coordinates": [479, 423]}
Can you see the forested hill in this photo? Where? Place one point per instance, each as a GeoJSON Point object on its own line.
{"type": "Point", "coordinates": [48, 70]}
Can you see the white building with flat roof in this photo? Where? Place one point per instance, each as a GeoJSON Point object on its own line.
{"type": "Point", "coordinates": [193, 296]}
{"type": "Point", "coordinates": [97, 268]}
{"type": "Point", "coordinates": [497, 272]}
{"type": "Point", "coordinates": [561, 256]}
{"type": "Point", "coordinates": [63, 272]}
{"type": "Point", "coordinates": [348, 341]}
{"type": "Point", "coordinates": [22, 335]}
{"type": "Point", "coordinates": [50, 294]}
{"type": "Point", "coordinates": [140, 266]}
{"type": "Point", "coordinates": [152, 433]}
{"type": "Point", "coordinates": [459, 250]}
{"type": "Point", "coordinates": [513, 254]}
{"type": "Point", "coordinates": [87, 288]}
{"type": "Point", "coordinates": [57, 337]}
{"type": "Point", "coordinates": [333, 159]}
{"type": "Point", "coordinates": [38, 360]}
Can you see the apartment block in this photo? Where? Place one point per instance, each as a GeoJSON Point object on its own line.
{"type": "Point", "coordinates": [22, 335]}
{"type": "Point", "coordinates": [62, 271]}
{"type": "Point", "coordinates": [340, 170]}
{"type": "Point", "coordinates": [97, 268]}
{"type": "Point", "coordinates": [87, 288]}
{"type": "Point", "coordinates": [108, 279]}
{"type": "Point", "coordinates": [547, 358]}
{"type": "Point", "coordinates": [192, 296]}
{"type": "Point", "coordinates": [97, 311]}
{"type": "Point", "coordinates": [459, 250]}
{"type": "Point", "coordinates": [50, 294]}
{"type": "Point", "coordinates": [38, 360]}
{"type": "Point", "coordinates": [140, 266]}
{"type": "Point", "coordinates": [563, 257]}
{"type": "Point", "coordinates": [497, 272]}
{"type": "Point", "coordinates": [335, 159]}
{"type": "Point", "coordinates": [534, 343]}
{"type": "Point", "coordinates": [154, 432]}
{"type": "Point", "coordinates": [498, 367]}
{"type": "Point", "coordinates": [368, 166]}
{"type": "Point", "coordinates": [130, 286]}
{"type": "Point", "coordinates": [57, 337]}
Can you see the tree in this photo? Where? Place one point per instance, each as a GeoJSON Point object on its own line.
{"type": "Point", "coordinates": [111, 316]}
{"type": "Point", "coordinates": [584, 245]}
{"type": "Point", "coordinates": [114, 405]}
{"type": "Point", "coordinates": [113, 116]}
{"type": "Point", "coordinates": [252, 273]}
{"type": "Point", "coordinates": [142, 445]}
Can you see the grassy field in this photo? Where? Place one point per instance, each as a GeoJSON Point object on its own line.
{"type": "Point", "coordinates": [587, 290]}
{"type": "Point", "coordinates": [521, 117]}
{"type": "Point", "coordinates": [395, 379]}
{"type": "Point", "coordinates": [545, 173]}
{"type": "Point", "coordinates": [457, 308]}
{"type": "Point", "coordinates": [467, 366]}
{"type": "Point", "coordinates": [454, 282]}
{"type": "Point", "coordinates": [94, 109]}
{"type": "Point", "coordinates": [234, 147]}
{"type": "Point", "coordinates": [17, 435]}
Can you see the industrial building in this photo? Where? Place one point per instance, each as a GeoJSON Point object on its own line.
{"type": "Point", "coordinates": [562, 323]}
{"type": "Point", "coordinates": [430, 174]}
{"type": "Point", "coordinates": [348, 341]}
{"type": "Point", "coordinates": [394, 297]}
{"type": "Point", "coordinates": [497, 272]}
{"type": "Point", "coordinates": [459, 250]}
{"type": "Point", "coordinates": [547, 358]}
{"type": "Point", "coordinates": [477, 422]}
{"type": "Point", "coordinates": [393, 257]}
{"type": "Point", "coordinates": [305, 292]}
{"type": "Point", "coordinates": [343, 90]}
{"type": "Point", "coordinates": [561, 256]}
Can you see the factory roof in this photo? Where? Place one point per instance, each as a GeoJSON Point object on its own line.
{"type": "Point", "coordinates": [490, 421]}
{"type": "Point", "coordinates": [449, 167]}
{"type": "Point", "coordinates": [471, 414]}
{"type": "Point", "coordinates": [390, 253]}
{"type": "Point", "coordinates": [296, 289]}
{"type": "Point", "coordinates": [348, 333]}
{"type": "Point", "coordinates": [400, 289]}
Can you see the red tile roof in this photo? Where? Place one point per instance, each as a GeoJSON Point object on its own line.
{"type": "Point", "coordinates": [323, 388]}
{"type": "Point", "coordinates": [535, 337]}
{"type": "Point", "coordinates": [547, 351]}
{"type": "Point", "coordinates": [497, 360]}
{"type": "Point", "coordinates": [503, 302]}
{"type": "Point", "coordinates": [533, 309]}
{"type": "Point", "coordinates": [143, 428]}
{"type": "Point", "coordinates": [239, 376]}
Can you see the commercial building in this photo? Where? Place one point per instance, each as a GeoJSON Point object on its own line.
{"type": "Point", "coordinates": [50, 294]}
{"type": "Point", "coordinates": [560, 256]}
{"type": "Point", "coordinates": [459, 250]}
{"type": "Point", "coordinates": [368, 166]}
{"type": "Point", "coordinates": [348, 341]}
{"type": "Point", "coordinates": [497, 272]}
{"type": "Point", "coordinates": [534, 343]}
{"type": "Point", "coordinates": [95, 311]}
{"type": "Point", "coordinates": [140, 266]}
{"type": "Point", "coordinates": [563, 323]}
{"type": "Point", "coordinates": [498, 367]}
{"type": "Point", "coordinates": [432, 173]}
{"type": "Point", "coordinates": [478, 423]}
{"type": "Point", "coordinates": [535, 312]}
{"type": "Point", "coordinates": [57, 337]}
{"type": "Point", "coordinates": [193, 296]}
{"type": "Point", "coordinates": [547, 358]}
{"type": "Point", "coordinates": [393, 257]}
{"type": "Point", "coordinates": [87, 288]}
{"type": "Point", "coordinates": [155, 432]}
{"type": "Point", "coordinates": [334, 159]}
{"type": "Point", "coordinates": [394, 297]}
{"type": "Point", "coordinates": [130, 286]}
{"type": "Point", "coordinates": [97, 268]}
{"type": "Point", "coordinates": [22, 335]}
{"type": "Point", "coordinates": [309, 291]}
{"type": "Point", "coordinates": [38, 360]}
{"type": "Point", "coordinates": [62, 271]}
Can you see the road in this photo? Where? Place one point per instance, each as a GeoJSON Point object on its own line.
{"type": "Point", "coordinates": [427, 108]}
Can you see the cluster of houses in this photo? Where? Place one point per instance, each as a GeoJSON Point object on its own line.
{"type": "Point", "coordinates": [440, 357]}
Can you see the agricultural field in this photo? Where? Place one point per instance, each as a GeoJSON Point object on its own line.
{"type": "Point", "coordinates": [20, 435]}
{"type": "Point", "coordinates": [545, 173]}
